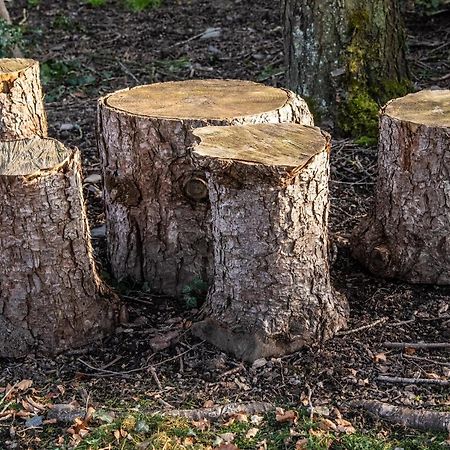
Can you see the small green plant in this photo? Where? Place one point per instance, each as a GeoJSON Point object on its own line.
{"type": "Point", "coordinates": [194, 293]}
{"type": "Point", "coordinates": [140, 5]}
{"type": "Point", "coordinates": [33, 3]}
{"type": "Point", "coordinates": [10, 37]}
{"type": "Point", "coordinates": [96, 3]}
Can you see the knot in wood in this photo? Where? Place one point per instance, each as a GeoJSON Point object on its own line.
{"type": "Point", "coordinates": [195, 188]}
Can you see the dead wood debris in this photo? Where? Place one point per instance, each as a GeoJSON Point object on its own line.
{"type": "Point", "coordinates": [417, 419]}
{"type": "Point", "coordinates": [418, 345]}
{"type": "Point", "coordinates": [402, 380]}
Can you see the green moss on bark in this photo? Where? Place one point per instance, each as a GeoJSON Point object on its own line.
{"type": "Point", "coordinates": [368, 86]}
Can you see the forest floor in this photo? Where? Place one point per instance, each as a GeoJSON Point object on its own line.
{"type": "Point", "coordinates": [153, 363]}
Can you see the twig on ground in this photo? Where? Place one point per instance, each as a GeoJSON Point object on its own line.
{"type": "Point", "coordinates": [155, 377]}
{"type": "Point", "coordinates": [402, 380]}
{"type": "Point", "coordinates": [418, 345]}
{"type": "Point", "coordinates": [418, 419]}
{"type": "Point", "coordinates": [112, 373]}
{"type": "Point", "coordinates": [431, 361]}
{"type": "Point", "coordinates": [364, 327]}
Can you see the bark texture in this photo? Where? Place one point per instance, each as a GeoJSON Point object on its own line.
{"type": "Point", "coordinates": [336, 49]}
{"type": "Point", "coordinates": [407, 417]}
{"type": "Point", "coordinates": [407, 234]}
{"type": "Point", "coordinates": [22, 113]}
{"type": "Point", "coordinates": [51, 298]}
{"type": "Point", "coordinates": [157, 207]}
{"type": "Point", "coordinates": [271, 291]}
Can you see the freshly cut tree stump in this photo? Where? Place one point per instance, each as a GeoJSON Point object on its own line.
{"type": "Point", "coordinates": [407, 234]}
{"type": "Point", "coordinates": [156, 201]}
{"type": "Point", "coordinates": [22, 113]}
{"type": "Point", "coordinates": [51, 298]}
{"type": "Point", "coordinates": [268, 187]}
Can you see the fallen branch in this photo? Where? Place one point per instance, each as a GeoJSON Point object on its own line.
{"type": "Point", "coordinates": [364, 327]}
{"type": "Point", "coordinates": [417, 345]}
{"type": "Point", "coordinates": [402, 380]}
{"type": "Point", "coordinates": [222, 412]}
{"type": "Point", "coordinates": [418, 419]}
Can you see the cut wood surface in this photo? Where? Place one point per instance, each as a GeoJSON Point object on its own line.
{"type": "Point", "coordinates": [22, 113]}
{"type": "Point", "coordinates": [406, 235]}
{"type": "Point", "coordinates": [268, 188]}
{"type": "Point", "coordinates": [157, 208]}
{"type": "Point", "coordinates": [51, 298]}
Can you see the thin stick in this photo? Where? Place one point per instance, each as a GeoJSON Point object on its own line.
{"type": "Point", "coordinates": [426, 345]}
{"type": "Point", "coordinates": [364, 327]}
{"type": "Point", "coordinates": [431, 361]}
{"type": "Point", "coordinates": [402, 380]}
{"type": "Point", "coordinates": [138, 369]}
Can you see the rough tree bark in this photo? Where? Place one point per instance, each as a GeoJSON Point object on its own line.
{"type": "Point", "coordinates": [345, 56]}
{"type": "Point", "coordinates": [156, 201]}
{"type": "Point", "coordinates": [268, 187]}
{"type": "Point", "coordinates": [407, 417]}
{"type": "Point", "coordinates": [22, 113]}
{"type": "Point", "coordinates": [51, 298]}
{"type": "Point", "coordinates": [407, 234]}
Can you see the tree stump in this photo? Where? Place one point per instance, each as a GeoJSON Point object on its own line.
{"type": "Point", "coordinates": [268, 187]}
{"type": "Point", "coordinates": [407, 234]}
{"type": "Point", "coordinates": [51, 298]}
{"type": "Point", "coordinates": [156, 201]}
{"type": "Point", "coordinates": [22, 113]}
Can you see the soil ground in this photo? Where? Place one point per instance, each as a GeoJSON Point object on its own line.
{"type": "Point", "coordinates": [86, 52]}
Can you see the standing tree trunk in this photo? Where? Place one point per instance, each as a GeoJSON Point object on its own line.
{"type": "Point", "coordinates": [407, 235]}
{"type": "Point", "coordinates": [4, 14]}
{"type": "Point", "coordinates": [346, 57]}
{"type": "Point", "coordinates": [268, 187]}
{"type": "Point", "coordinates": [22, 113]}
{"type": "Point", "coordinates": [157, 208]}
{"type": "Point", "coordinates": [51, 298]}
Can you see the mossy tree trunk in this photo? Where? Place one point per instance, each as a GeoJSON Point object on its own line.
{"type": "Point", "coordinates": [347, 57]}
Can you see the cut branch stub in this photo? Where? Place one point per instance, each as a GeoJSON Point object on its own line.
{"type": "Point", "coordinates": [157, 208]}
{"type": "Point", "coordinates": [268, 188]}
{"type": "Point", "coordinates": [407, 234]}
{"type": "Point", "coordinates": [22, 113]}
{"type": "Point", "coordinates": [51, 298]}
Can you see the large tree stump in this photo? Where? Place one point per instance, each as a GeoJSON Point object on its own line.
{"type": "Point", "coordinates": [22, 113]}
{"type": "Point", "coordinates": [156, 201]}
{"type": "Point", "coordinates": [268, 187]}
{"type": "Point", "coordinates": [407, 234]}
{"type": "Point", "coordinates": [51, 298]}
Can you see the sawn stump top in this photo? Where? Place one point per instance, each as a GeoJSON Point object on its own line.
{"type": "Point", "coordinates": [431, 108]}
{"type": "Point", "coordinates": [284, 144]}
{"type": "Point", "coordinates": [199, 99]}
{"type": "Point", "coordinates": [29, 156]}
{"type": "Point", "coordinates": [10, 66]}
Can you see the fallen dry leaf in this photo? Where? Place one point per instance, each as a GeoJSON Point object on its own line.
{"type": "Point", "coordinates": [301, 444]}
{"type": "Point", "coordinates": [202, 424]}
{"type": "Point", "coordinates": [256, 420]}
{"type": "Point", "coordinates": [380, 358]}
{"type": "Point", "coordinates": [208, 404]}
{"type": "Point", "coordinates": [410, 350]}
{"type": "Point", "coordinates": [344, 426]}
{"type": "Point", "coordinates": [227, 447]}
{"type": "Point", "coordinates": [289, 416]}
{"type": "Point", "coordinates": [227, 437]}
{"type": "Point", "coordinates": [251, 433]}
{"type": "Point", "coordinates": [24, 385]}
{"type": "Point", "coordinates": [327, 425]}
